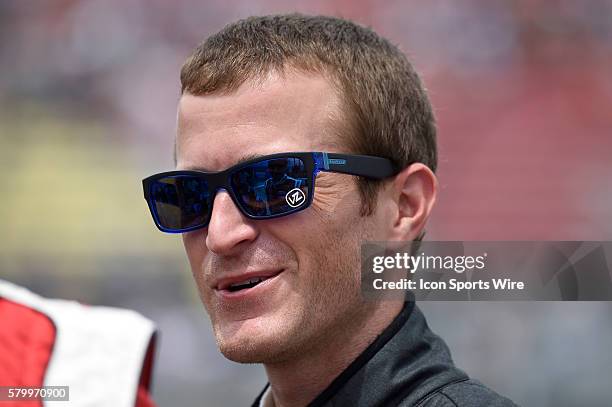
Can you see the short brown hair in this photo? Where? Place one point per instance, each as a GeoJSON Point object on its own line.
{"type": "Point", "coordinates": [386, 107]}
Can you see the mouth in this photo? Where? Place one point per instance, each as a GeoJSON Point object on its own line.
{"type": "Point", "coordinates": [243, 285]}
{"type": "Point", "coordinates": [245, 282]}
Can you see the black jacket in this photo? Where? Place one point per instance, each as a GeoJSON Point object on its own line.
{"type": "Point", "coordinates": [407, 365]}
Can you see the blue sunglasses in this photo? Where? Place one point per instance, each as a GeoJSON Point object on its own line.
{"type": "Point", "coordinates": [262, 188]}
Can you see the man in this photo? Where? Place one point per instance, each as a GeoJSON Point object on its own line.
{"type": "Point", "coordinates": [282, 288]}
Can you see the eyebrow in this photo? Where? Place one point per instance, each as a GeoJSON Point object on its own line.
{"type": "Point", "coordinates": [241, 160]}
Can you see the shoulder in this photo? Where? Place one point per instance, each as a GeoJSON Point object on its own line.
{"type": "Point", "coordinates": [469, 392]}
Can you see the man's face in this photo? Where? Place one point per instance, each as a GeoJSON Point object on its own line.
{"type": "Point", "coordinates": [311, 258]}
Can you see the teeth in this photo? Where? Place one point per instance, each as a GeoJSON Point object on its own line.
{"type": "Point", "coordinates": [247, 282]}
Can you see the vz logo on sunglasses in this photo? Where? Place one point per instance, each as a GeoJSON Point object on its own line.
{"type": "Point", "coordinates": [295, 197]}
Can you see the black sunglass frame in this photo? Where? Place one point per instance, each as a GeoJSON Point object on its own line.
{"type": "Point", "coordinates": [314, 162]}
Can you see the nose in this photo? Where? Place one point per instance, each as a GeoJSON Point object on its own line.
{"type": "Point", "coordinates": [228, 229]}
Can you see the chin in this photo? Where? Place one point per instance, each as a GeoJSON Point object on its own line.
{"type": "Point", "coordinates": [249, 350]}
{"type": "Point", "coordinates": [249, 342]}
{"type": "Point", "coordinates": [242, 354]}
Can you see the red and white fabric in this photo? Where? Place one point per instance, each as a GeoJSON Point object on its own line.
{"type": "Point", "coordinates": [104, 355]}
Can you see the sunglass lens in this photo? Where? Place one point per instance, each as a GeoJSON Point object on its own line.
{"type": "Point", "coordinates": [272, 187]}
{"type": "Point", "coordinates": [180, 202]}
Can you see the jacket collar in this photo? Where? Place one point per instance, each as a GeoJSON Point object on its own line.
{"type": "Point", "coordinates": [406, 362]}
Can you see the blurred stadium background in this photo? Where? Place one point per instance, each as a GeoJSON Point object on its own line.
{"type": "Point", "coordinates": [523, 95]}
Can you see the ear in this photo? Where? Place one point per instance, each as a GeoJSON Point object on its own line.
{"type": "Point", "coordinates": [414, 192]}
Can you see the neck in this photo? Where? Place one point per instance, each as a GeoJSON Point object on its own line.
{"type": "Point", "coordinates": [297, 381]}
